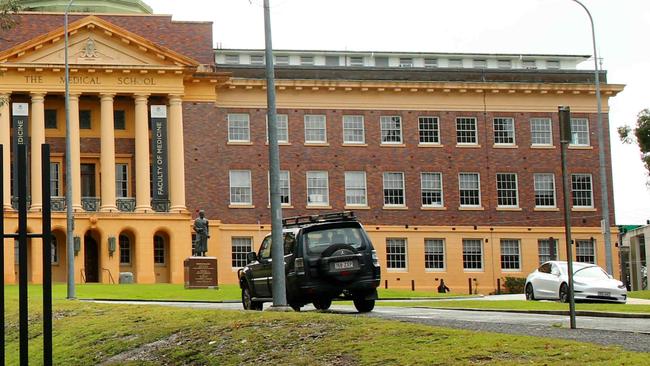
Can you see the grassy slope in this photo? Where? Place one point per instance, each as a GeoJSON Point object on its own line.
{"type": "Point", "coordinates": [640, 294]}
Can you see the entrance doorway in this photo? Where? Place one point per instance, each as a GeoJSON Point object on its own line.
{"type": "Point", "coordinates": [91, 258]}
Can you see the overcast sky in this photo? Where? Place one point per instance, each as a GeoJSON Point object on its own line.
{"type": "Point", "coordinates": [469, 26]}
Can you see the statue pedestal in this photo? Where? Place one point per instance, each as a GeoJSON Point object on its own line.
{"type": "Point", "coordinates": [201, 272]}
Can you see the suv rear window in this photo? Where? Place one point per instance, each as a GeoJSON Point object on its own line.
{"type": "Point", "coordinates": [318, 240]}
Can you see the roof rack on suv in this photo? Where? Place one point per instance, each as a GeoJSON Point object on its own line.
{"type": "Point", "coordinates": [310, 219]}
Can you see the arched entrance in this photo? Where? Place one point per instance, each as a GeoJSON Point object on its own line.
{"type": "Point", "coordinates": [59, 257]}
{"type": "Point", "coordinates": [91, 257]}
{"type": "Point", "coordinates": [161, 257]}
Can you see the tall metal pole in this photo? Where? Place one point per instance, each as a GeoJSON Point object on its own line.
{"type": "Point", "coordinates": [604, 192]}
{"type": "Point", "coordinates": [277, 254]}
{"type": "Point", "coordinates": [69, 215]}
{"type": "Point", "coordinates": [565, 138]}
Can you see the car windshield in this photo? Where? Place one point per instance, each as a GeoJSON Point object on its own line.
{"type": "Point", "coordinates": [318, 240]}
{"type": "Point", "coordinates": [595, 273]}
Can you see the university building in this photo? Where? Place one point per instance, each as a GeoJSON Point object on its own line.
{"type": "Point", "coordinates": [451, 161]}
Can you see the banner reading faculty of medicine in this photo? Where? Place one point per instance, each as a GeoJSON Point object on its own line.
{"type": "Point", "coordinates": [159, 155]}
{"type": "Point", "coordinates": [20, 123]}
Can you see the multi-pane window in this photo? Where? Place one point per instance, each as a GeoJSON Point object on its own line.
{"type": "Point", "coordinates": [466, 132]}
{"type": "Point", "coordinates": [159, 255]}
{"type": "Point", "coordinates": [430, 62]}
{"type": "Point", "coordinates": [285, 187]}
{"type": "Point", "coordinates": [355, 188]}
{"type": "Point", "coordinates": [396, 253]}
{"type": "Point", "coordinates": [585, 251]}
{"type": "Point", "coordinates": [529, 64]}
{"type": "Point", "coordinates": [541, 131]}
{"type": "Point", "coordinates": [553, 64]}
{"type": "Point", "coordinates": [121, 180]}
{"type": "Point", "coordinates": [434, 254]}
{"type": "Point", "coordinates": [232, 59]}
{"type": "Point", "coordinates": [356, 61]}
{"type": "Point", "coordinates": [50, 118]}
{"type": "Point", "coordinates": [429, 130]}
{"type": "Point", "coordinates": [504, 64]}
{"type": "Point", "coordinates": [306, 60]}
{"type": "Point", "coordinates": [431, 188]}
{"type": "Point", "coordinates": [119, 119]}
{"type": "Point", "coordinates": [55, 180]}
{"type": "Point", "coordinates": [547, 250]}
{"type": "Point", "coordinates": [391, 129]}
{"type": "Point", "coordinates": [544, 190]}
{"type": "Point", "coordinates": [394, 189]}
{"type": "Point", "coordinates": [581, 190]}
{"type": "Point", "coordinates": [281, 126]}
{"type": "Point", "coordinates": [473, 254]}
{"type": "Point", "coordinates": [507, 190]}
{"type": "Point", "coordinates": [238, 128]}
{"type": "Point", "coordinates": [580, 131]}
{"type": "Point", "coordinates": [125, 250]}
{"type": "Point", "coordinates": [84, 119]}
{"type": "Point", "coordinates": [317, 188]}
{"type": "Point", "coordinates": [240, 187]}
{"type": "Point", "coordinates": [240, 247]}
{"type": "Point", "coordinates": [470, 189]}
{"type": "Point", "coordinates": [480, 63]}
{"type": "Point", "coordinates": [282, 60]}
{"type": "Point", "coordinates": [315, 129]}
{"type": "Point", "coordinates": [257, 59]}
{"type": "Point", "coordinates": [455, 62]}
{"type": "Point", "coordinates": [405, 62]}
{"type": "Point", "coordinates": [504, 131]}
{"type": "Point", "coordinates": [353, 130]}
{"type": "Point", "coordinates": [510, 257]}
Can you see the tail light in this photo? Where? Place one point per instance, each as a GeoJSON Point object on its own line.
{"type": "Point", "coordinates": [375, 259]}
{"type": "Point", "coordinates": [299, 266]}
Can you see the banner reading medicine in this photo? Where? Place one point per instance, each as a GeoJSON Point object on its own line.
{"type": "Point", "coordinates": [159, 155]}
{"type": "Point", "coordinates": [20, 124]}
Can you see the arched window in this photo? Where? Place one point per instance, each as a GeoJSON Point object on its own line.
{"type": "Point", "coordinates": [159, 254]}
{"type": "Point", "coordinates": [125, 250]}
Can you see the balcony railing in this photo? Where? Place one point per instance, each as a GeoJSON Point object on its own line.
{"type": "Point", "coordinates": [90, 203]}
{"type": "Point", "coordinates": [125, 204]}
{"type": "Point", "coordinates": [57, 203]}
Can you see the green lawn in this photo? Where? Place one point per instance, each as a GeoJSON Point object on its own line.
{"type": "Point", "coordinates": [523, 305]}
{"type": "Point", "coordinates": [92, 334]}
{"type": "Point", "coordinates": [640, 294]}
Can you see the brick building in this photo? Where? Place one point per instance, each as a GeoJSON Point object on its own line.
{"type": "Point", "coordinates": [450, 160]}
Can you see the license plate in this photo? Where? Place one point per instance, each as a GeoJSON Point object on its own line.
{"type": "Point", "coordinates": [604, 293]}
{"type": "Point", "coordinates": [344, 265]}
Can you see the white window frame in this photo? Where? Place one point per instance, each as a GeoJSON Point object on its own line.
{"type": "Point", "coordinates": [406, 62]}
{"type": "Point", "coordinates": [311, 188]}
{"type": "Point", "coordinates": [385, 176]}
{"type": "Point", "coordinates": [55, 179]}
{"type": "Point", "coordinates": [579, 133]}
{"type": "Point", "coordinates": [517, 254]}
{"type": "Point", "coordinates": [573, 190]}
{"type": "Point", "coordinates": [482, 254]}
{"type": "Point", "coordinates": [544, 257]}
{"type": "Point", "coordinates": [507, 133]}
{"type": "Point", "coordinates": [287, 188]}
{"type": "Point", "coordinates": [431, 189]}
{"type": "Point", "coordinates": [282, 127]}
{"type": "Point", "coordinates": [390, 129]}
{"type": "Point", "coordinates": [124, 182]}
{"type": "Point", "coordinates": [237, 256]}
{"type": "Point", "coordinates": [282, 60]}
{"type": "Point", "coordinates": [306, 60]}
{"type": "Point", "coordinates": [243, 132]}
{"type": "Point", "coordinates": [347, 120]}
{"type": "Point", "coordinates": [460, 188]}
{"type": "Point", "coordinates": [248, 187]}
{"type": "Point", "coordinates": [435, 130]}
{"type": "Point", "coordinates": [548, 131]}
{"type": "Point", "coordinates": [428, 251]}
{"type": "Point", "coordinates": [310, 121]}
{"type": "Point", "coordinates": [393, 242]}
{"type": "Point", "coordinates": [591, 244]}
{"type": "Point", "coordinates": [348, 186]}
{"type": "Point", "coordinates": [124, 250]}
{"type": "Point", "coordinates": [501, 190]}
{"type": "Point", "coordinates": [538, 188]}
{"type": "Point", "coordinates": [475, 134]}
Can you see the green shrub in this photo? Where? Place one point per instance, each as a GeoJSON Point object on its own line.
{"type": "Point", "coordinates": [514, 285]}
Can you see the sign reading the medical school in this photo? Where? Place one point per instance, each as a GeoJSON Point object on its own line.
{"type": "Point", "coordinates": [159, 155]}
{"type": "Point", "coordinates": [20, 119]}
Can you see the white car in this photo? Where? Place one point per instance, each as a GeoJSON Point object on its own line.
{"type": "Point", "coordinates": [590, 283]}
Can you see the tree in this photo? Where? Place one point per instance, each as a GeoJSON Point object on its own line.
{"type": "Point", "coordinates": [641, 135]}
{"type": "Point", "coordinates": [7, 10]}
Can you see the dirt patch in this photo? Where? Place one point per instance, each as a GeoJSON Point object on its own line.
{"type": "Point", "coordinates": [146, 352]}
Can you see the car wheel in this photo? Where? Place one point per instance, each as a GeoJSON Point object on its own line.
{"type": "Point", "coordinates": [247, 300]}
{"type": "Point", "coordinates": [363, 306]}
{"type": "Point", "coordinates": [530, 294]}
{"type": "Point", "coordinates": [564, 293]}
{"type": "Point", "coordinates": [323, 304]}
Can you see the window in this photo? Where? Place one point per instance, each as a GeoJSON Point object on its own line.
{"type": "Point", "coordinates": [455, 62]}
{"type": "Point", "coordinates": [159, 255]}
{"type": "Point", "coordinates": [84, 119]}
{"type": "Point", "coordinates": [121, 180]}
{"type": "Point", "coordinates": [541, 131]}
{"type": "Point", "coordinates": [394, 189]}
{"type": "Point", "coordinates": [332, 61]}
{"type": "Point", "coordinates": [119, 119]}
{"type": "Point", "coordinates": [356, 61]}
{"type": "Point", "coordinates": [285, 188]}
{"type": "Point", "coordinates": [381, 61]}
{"type": "Point", "coordinates": [282, 60]}
{"type": "Point", "coordinates": [429, 130]}
{"type": "Point", "coordinates": [405, 62]}
{"type": "Point", "coordinates": [391, 129]}
{"type": "Point", "coordinates": [579, 132]}
{"type": "Point", "coordinates": [281, 126]}
{"type": "Point", "coordinates": [238, 128]}
{"type": "Point", "coordinates": [473, 254]}
{"type": "Point", "coordinates": [504, 64]}
{"type": "Point", "coordinates": [547, 250]}
{"type": "Point", "coordinates": [315, 129]}
{"type": "Point", "coordinates": [396, 253]}
{"type": "Point", "coordinates": [510, 259]}
{"type": "Point", "coordinates": [431, 188]}
{"type": "Point", "coordinates": [507, 190]}
{"type": "Point", "coordinates": [466, 130]}
{"type": "Point", "coordinates": [355, 189]}
{"type": "Point", "coordinates": [240, 248]}
{"type": "Point", "coordinates": [317, 188]}
{"type": "Point", "coordinates": [232, 59]}
{"type": "Point", "coordinates": [430, 62]}
{"type": "Point", "coordinates": [257, 59]}
{"type": "Point", "coordinates": [55, 180]}
{"type": "Point", "coordinates": [54, 251]}
{"type": "Point", "coordinates": [544, 190]}
{"type": "Point", "coordinates": [552, 64]}
{"type": "Point", "coordinates": [50, 118]}
{"type": "Point", "coordinates": [504, 131]}
{"type": "Point", "coordinates": [581, 190]}
{"type": "Point", "coordinates": [125, 250]}
{"type": "Point", "coordinates": [240, 187]}
{"type": "Point", "coordinates": [480, 64]}
{"type": "Point", "coordinates": [353, 130]}
{"type": "Point", "coordinates": [529, 64]}
{"type": "Point", "coordinates": [306, 60]}
{"type": "Point", "coordinates": [434, 254]}
{"type": "Point", "coordinates": [585, 251]}
{"type": "Point", "coordinates": [470, 189]}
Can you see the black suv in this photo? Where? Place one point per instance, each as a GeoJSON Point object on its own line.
{"type": "Point", "coordinates": [325, 256]}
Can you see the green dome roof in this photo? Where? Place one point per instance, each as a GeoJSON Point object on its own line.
{"type": "Point", "coordinates": [88, 6]}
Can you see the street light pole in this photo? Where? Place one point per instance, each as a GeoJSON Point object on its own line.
{"type": "Point", "coordinates": [604, 192]}
{"type": "Point", "coordinates": [69, 215]}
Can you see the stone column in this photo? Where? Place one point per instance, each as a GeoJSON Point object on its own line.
{"type": "Point", "coordinates": [107, 157]}
{"type": "Point", "coordinates": [5, 141]}
{"type": "Point", "coordinates": [142, 168]}
{"type": "Point", "coordinates": [176, 154]}
{"type": "Point", "coordinates": [75, 153]}
{"type": "Point", "coordinates": [37, 139]}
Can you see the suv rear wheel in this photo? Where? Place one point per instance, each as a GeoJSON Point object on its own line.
{"type": "Point", "coordinates": [322, 304]}
{"type": "Point", "coordinates": [247, 300]}
{"type": "Point", "coordinates": [363, 305]}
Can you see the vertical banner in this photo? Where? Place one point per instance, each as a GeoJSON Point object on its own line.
{"type": "Point", "coordinates": [159, 156]}
{"type": "Point", "coordinates": [20, 124]}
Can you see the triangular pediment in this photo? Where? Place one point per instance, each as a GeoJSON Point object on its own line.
{"type": "Point", "coordinates": [93, 41]}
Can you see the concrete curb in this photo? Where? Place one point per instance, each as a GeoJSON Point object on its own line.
{"type": "Point", "coordinates": [601, 314]}
{"type": "Point", "coordinates": [169, 301]}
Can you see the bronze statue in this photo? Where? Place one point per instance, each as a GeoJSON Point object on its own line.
{"type": "Point", "coordinates": [442, 288]}
{"type": "Point", "coordinates": [202, 229]}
